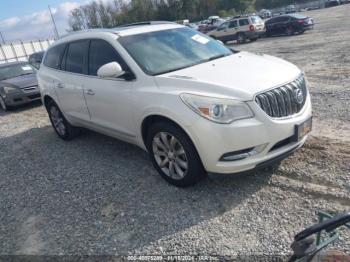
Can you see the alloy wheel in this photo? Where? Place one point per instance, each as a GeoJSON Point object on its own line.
{"type": "Point", "coordinates": [57, 120]}
{"type": "Point", "coordinates": [170, 155]}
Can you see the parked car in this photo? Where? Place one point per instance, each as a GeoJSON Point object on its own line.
{"type": "Point", "coordinates": [291, 9]}
{"type": "Point", "coordinates": [36, 58]}
{"type": "Point", "coordinates": [193, 104]}
{"type": "Point", "coordinates": [240, 29]}
{"type": "Point", "coordinates": [212, 23]}
{"type": "Point", "coordinates": [288, 24]}
{"type": "Point", "coordinates": [330, 3]}
{"type": "Point", "coordinates": [264, 13]}
{"type": "Point", "coordinates": [18, 84]}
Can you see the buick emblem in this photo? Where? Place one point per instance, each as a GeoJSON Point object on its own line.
{"type": "Point", "coordinates": [299, 96]}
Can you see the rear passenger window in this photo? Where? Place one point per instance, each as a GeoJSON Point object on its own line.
{"type": "Point", "coordinates": [53, 56]}
{"type": "Point", "coordinates": [233, 24]}
{"type": "Point", "coordinates": [243, 22]}
{"type": "Point", "coordinates": [102, 53]}
{"type": "Point", "coordinates": [76, 56]}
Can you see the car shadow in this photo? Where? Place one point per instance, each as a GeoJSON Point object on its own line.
{"type": "Point", "coordinates": [97, 195]}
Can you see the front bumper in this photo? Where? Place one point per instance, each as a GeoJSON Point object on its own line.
{"type": "Point", "coordinates": [22, 97]}
{"type": "Point", "coordinates": [214, 140]}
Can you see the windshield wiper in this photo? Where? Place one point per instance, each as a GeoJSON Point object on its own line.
{"type": "Point", "coordinates": [26, 74]}
{"type": "Point", "coordinates": [217, 57]}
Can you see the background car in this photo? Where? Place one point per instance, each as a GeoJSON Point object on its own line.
{"type": "Point", "coordinates": [291, 9]}
{"type": "Point", "coordinates": [36, 58]}
{"type": "Point", "coordinates": [288, 24]}
{"type": "Point", "coordinates": [240, 29]}
{"type": "Point", "coordinates": [330, 3]}
{"type": "Point", "coordinates": [18, 84]}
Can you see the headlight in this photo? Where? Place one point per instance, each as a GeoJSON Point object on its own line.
{"type": "Point", "coordinates": [223, 111]}
{"type": "Point", "coordinates": [9, 89]}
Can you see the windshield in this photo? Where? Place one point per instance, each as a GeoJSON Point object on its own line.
{"type": "Point", "coordinates": [170, 50]}
{"type": "Point", "coordinates": [12, 71]}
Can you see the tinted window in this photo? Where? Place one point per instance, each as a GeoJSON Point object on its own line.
{"type": "Point", "coordinates": [102, 53]}
{"type": "Point", "coordinates": [233, 24]}
{"type": "Point", "coordinates": [53, 56]}
{"type": "Point", "coordinates": [243, 22]}
{"type": "Point", "coordinates": [76, 56]}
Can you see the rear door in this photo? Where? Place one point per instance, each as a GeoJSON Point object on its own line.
{"type": "Point", "coordinates": [70, 83]}
{"type": "Point", "coordinates": [232, 30]}
{"type": "Point", "coordinates": [244, 25]}
{"type": "Point", "coordinates": [109, 99]}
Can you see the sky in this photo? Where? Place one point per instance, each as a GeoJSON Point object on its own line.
{"type": "Point", "coordinates": [30, 19]}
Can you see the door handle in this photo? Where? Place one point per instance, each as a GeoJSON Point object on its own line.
{"type": "Point", "coordinates": [59, 85]}
{"type": "Point", "coordinates": [90, 92]}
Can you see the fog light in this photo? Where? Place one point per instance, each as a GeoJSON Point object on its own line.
{"type": "Point", "coordinates": [243, 154]}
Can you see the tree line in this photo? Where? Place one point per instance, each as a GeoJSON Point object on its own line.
{"type": "Point", "coordinates": [110, 14]}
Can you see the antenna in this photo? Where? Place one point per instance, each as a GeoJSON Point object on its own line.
{"type": "Point", "coordinates": [54, 24]}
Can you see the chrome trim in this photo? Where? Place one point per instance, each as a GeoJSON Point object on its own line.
{"type": "Point", "coordinates": [280, 102]}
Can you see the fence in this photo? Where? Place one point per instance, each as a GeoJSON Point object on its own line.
{"type": "Point", "coordinates": [21, 51]}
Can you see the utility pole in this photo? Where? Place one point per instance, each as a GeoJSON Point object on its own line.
{"type": "Point", "coordinates": [2, 38]}
{"type": "Point", "coordinates": [54, 24]}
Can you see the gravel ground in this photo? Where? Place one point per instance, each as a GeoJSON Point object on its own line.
{"type": "Point", "coordinates": [99, 196]}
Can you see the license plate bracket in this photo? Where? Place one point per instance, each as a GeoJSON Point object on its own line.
{"type": "Point", "coordinates": [303, 129]}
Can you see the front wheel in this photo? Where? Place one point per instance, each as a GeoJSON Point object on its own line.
{"type": "Point", "coordinates": [174, 155]}
{"type": "Point", "coordinates": [61, 126]}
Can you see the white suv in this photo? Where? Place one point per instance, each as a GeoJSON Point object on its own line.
{"type": "Point", "coordinates": [193, 104]}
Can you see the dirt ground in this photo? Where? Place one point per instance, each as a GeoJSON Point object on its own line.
{"type": "Point", "coordinates": [99, 196]}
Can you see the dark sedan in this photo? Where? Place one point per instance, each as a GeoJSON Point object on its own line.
{"type": "Point", "coordinates": [288, 24]}
{"type": "Point", "coordinates": [18, 84]}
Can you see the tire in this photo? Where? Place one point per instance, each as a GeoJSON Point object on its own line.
{"type": "Point", "coordinates": [3, 104]}
{"type": "Point", "coordinates": [241, 38]}
{"type": "Point", "coordinates": [253, 39]}
{"type": "Point", "coordinates": [60, 124]}
{"type": "Point", "coordinates": [289, 31]}
{"type": "Point", "coordinates": [174, 155]}
{"type": "Point", "coordinates": [301, 32]}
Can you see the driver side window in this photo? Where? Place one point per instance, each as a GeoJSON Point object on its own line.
{"type": "Point", "coordinates": [101, 53]}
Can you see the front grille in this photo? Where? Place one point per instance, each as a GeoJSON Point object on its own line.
{"type": "Point", "coordinates": [284, 101]}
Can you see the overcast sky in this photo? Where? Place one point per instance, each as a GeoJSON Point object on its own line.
{"type": "Point", "coordinates": [30, 20]}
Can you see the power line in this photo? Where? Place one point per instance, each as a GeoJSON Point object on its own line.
{"type": "Point", "coordinates": [54, 24]}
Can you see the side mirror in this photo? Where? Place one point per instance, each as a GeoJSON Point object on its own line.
{"type": "Point", "coordinates": [110, 70]}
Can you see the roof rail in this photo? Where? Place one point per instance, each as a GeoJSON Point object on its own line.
{"type": "Point", "coordinates": [148, 23]}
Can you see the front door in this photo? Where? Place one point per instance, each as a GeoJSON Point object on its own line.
{"type": "Point", "coordinates": [108, 100]}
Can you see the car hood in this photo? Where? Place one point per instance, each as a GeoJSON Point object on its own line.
{"type": "Point", "coordinates": [21, 81]}
{"type": "Point", "coordinates": [242, 74]}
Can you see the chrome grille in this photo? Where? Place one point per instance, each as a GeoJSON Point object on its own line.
{"type": "Point", "coordinates": [284, 101]}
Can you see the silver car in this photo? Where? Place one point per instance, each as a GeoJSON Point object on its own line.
{"type": "Point", "coordinates": [18, 84]}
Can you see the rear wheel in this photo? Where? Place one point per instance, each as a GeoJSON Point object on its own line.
{"type": "Point", "coordinates": [3, 104]}
{"type": "Point", "coordinates": [253, 39]}
{"type": "Point", "coordinates": [241, 38]}
{"type": "Point", "coordinates": [174, 155]}
{"type": "Point", "coordinates": [61, 126]}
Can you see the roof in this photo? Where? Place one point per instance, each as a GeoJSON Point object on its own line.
{"type": "Point", "coordinates": [130, 29]}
